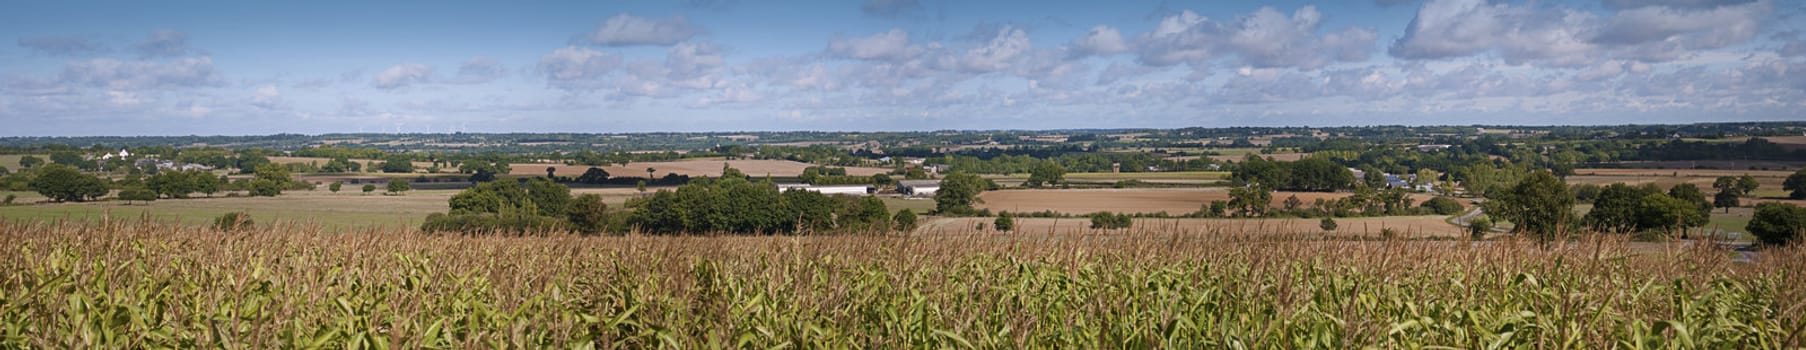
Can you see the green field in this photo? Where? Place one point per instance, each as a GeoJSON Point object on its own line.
{"type": "Point", "coordinates": [920, 206]}
{"type": "Point", "coordinates": [11, 161]}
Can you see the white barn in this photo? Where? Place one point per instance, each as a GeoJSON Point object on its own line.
{"type": "Point", "coordinates": [921, 188]}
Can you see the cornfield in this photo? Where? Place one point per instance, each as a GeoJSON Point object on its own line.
{"type": "Point", "coordinates": [139, 284]}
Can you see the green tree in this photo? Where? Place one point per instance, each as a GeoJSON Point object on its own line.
{"type": "Point", "coordinates": [1004, 222]}
{"type": "Point", "coordinates": [1797, 184]}
{"type": "Point", "coordinates": [588, 214]}
{"type": "Point", "coordinates": [137, 194]}
{"type": "Point", "coordinates": [397, 186]}
{"type": "Point", "coordinates": [1251, 200]}
{"type": "Point", "coordinates": [1045, 172]}
{"type": "Point", "coordinates": [959, 191]}
{"type": "Point", "coordinates": [1726, 200]}
{"type": "Point", "coordinates": [29, 162]}
{"type": "Point", "coordinates": [593, 176]}
{"type": "Point", "coordinates": [1778, 223]}
{"type": "Point", "coordinates": [398, 163]}
{"type": "Point", "coordinates": [65, 183]}
{"type": "Point", "coordinates": [905, 220]}
{"type": "Point", "coordinates": [1479, 226]}
{"type": "Point", "coordinates": [1659, 212]}
{"type": "Point", "coordinates": [335, 186]}
{"type": "Point", "coordinates": [1616, 209]}
{"type": "Point", "coordinates": [641, 186]}
{"type": "Point", "coordinates": [1691, 194]}
{"type": "Point", "coordinates": [1539, 204]}
{"type": "Point", "coordinates": [1327, 224]}
{"type": "Point", "coordinates": [1746, 185]}
{"type": "Point", "coordinates": [1443, 206]}
{"type": "Point", "coordinates": [369, 188]}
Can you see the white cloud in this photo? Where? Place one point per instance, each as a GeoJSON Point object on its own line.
{"type": "Point", "coordinates": [266, 97]}
{"type": "Point", "coordinates": [402, 75]}
{"type": "Point", "coordinates": [1266, 38]}
{"type": "Point", "coordinates": [135, 75]}
{"type": "Point", "coordinates": [893, 45]}
{"type": "Point", "coordinates": [1101, 40]}
{"type": "Point", "coordinates": [628, 30]}
{"type": "Point", "coordinates": [996, 54]}
{"type": "Point", "coordinates": [691, 60]}
{"type": "Point", "coordinates": [577, 68]}
{"type": "Point", "coordinates": [1569, 37]}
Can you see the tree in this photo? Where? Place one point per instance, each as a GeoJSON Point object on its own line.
{"type": "Point", "coordinates": [1425, 176]}
{"type": "Point", "coordinates": [959, 191]}
{"type": "Point", "coordinates": [1218, 208]}
{"type": "Point", "coordinates": [905, 220]}
{"type": "Point", "coordinates": [1689, 193]}
{"type": "Point", "coordinates": [551, 172]}
{"type": "Point", "coordinates": [1778, 223]}
{"type": "Point", "coordinates": [64, 183]}
{"type": "Point", "coordinates": [1443, 206]}
{"type": "Point", "coordinates": [397, 163]}
{"type": "Point", "coordinates": [397, 186]}
{"type": "Point", "coordinates": [1539, 204]}
{"type": "Point", "coordinates": [1659, 212]}
{"type": "Point", "coordinates": [1327, 224]}
{"type": "Point", "coordinates": [1617, 208]}
{"type": "Point", "coordinates": [1726, 200]}
{"type": "Point", "coordinates": [587, 213]}
{"type": "Point", "coordinates": [137, 194]}
{"type": "Point", "coordinates": [641, 186]}
{"type": "Point", "coordinates": [1110, 221]}
{"type": "Point", "coordinates": [1797, 184]}
{"type": "Point", "coordinates": [1251, 200]}
{"type": "Point", "coordinates": [29, 162]}
{"type": "Point", "coordinates": [334, 187]}
{"type": "Point", "coordinates": [1746, 185]}
{"type": "Point", "coordinates": [593, 176]}
{"type": "Point", "coordinates": [1004, 222]}
{"type": "Point", "coordinates": [1728, 184]}
{"type": "Point", "coordinates": [649, 172]}
{"type": "Point", "coordinates": [271, 178]}
{"type": "Point", "coordinates": [1045, 172]}
{"type": "Point", "coordinates": [71, 158]}
{"type": "Point", "coordinates": [369, 188]}
{"type": "Point", "coordinates": [1479, 226]}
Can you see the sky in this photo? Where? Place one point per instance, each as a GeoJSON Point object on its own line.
{"type": "Point", "coordinates": [262, 67]}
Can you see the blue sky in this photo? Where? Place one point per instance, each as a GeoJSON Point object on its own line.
{"type": "Point", "coordinates": [259, 67]}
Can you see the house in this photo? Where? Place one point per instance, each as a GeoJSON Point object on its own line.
{"type": "Point", "coordinates": [1427, 148]}
{"type": "Point", "coordinates": [919, 188]}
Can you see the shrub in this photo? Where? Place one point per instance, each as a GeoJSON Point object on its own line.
{"type": "Point", "coordinates": [397, 186]}
{"type": "Point", "coordinates": [1442, 206]}
{"type": "Point", "coordinates": [137, 194]}
{"type": "Point", "coordinates": [369, 188]}
{"type": "Point", "coordinates": [1110, 221]}
{"type": "Point", "coordinates": [9, 199]}
{"type": "Point", "coordinates": [1778, 223]}
{"type": "Point", "coordinates": [1327, 224]}
{"type": "Point", "coordinates": [1004, 222]}
{"type": "Point", "coordinates": [905, 220]}
{"type": "Point", "coordinates": [233, 221]}
{"type": "Point", "coordinates": [334, 187]}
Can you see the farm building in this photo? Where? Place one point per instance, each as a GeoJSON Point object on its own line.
{"type": "Point", "coordinates": [918, 187]}
{"type": "Point", "coordinates": [830, 189]}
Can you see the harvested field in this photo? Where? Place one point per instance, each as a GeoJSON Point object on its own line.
{"type": "Point", "coordinates": [1172, 200]}
{"type": "Point", "coordinates": [1404, 226]}
{"type": "Point", "coordinates": [711, 168]}
{"type": "Point", "coordinates": [418, 166]}
{"type": "Point", "coordinates": [1285, 157]}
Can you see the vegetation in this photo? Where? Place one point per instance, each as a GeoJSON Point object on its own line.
{"type": "Point", "coordinates": [1004, 222]}
{"type": "Point", "coordinates": [737, 205]}
{"type": "Point", "coordinates": [1778, 223]}
{"type": "Point", "coordinates": [1111, 221]}
{"type": "Point", "coordinates": [959, 191]}
{"type": "Point", "coordinates": [404, 290]}
{"type": "Point", "coordinates": [1539, 205]}
{"type": "Point", "coordinates": [1796, 184]}
{"type": "Point", "coordinates": [64, 183]}
{"type": "Point", "coordinates": [399, 186]}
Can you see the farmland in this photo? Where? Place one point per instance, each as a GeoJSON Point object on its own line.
{"type": "Point", "coordinates": [128, 284]}
{"type": "Point", "coordinates": [1172, 201]}
{"type": "Point", "coordinates": [1428, 226]}
{"type": "Point", "coordinates": [693, 168]}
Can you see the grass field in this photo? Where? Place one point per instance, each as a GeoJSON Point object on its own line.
{"type": "Point", "coordinates": [11, 161]}
{"type": "Point", "coordinates": [134, 285]}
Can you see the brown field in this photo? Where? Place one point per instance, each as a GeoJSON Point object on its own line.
{"type": "Point", "coordinates": [711, 168]}
{"type": "Point", "coordinates": [1405, 226]}
{"type": "Point", "coordinates": [1171, 200]}
{"type": "Point", "coordinates": [1770, 181]}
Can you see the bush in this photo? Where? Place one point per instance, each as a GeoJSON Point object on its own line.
{"type": "Point", "coordinates": [233, 221]}
{"type": "Point", "coordinates": [9, 199]}
{"type": "Point", "coordinates": [397, 186]}
{"type": "Point", "coordinates": [1479, 226]}
{"type": "Point", "coordinates": [1442, 206]}
{"type": "Point", "coordinates": [1004, 222]}
{"type": "Point", "coordinates": [137, 194]}
{"type": "Point", "coordinates": [1327, 224]}
{"type": "Point", "coordinates": [1778, 223]}
{"type": "Point", "coordinates": [905, 220]}
{"type": "Point", "coordinates": [1110, 221]}
{"type": "Point", "coordinates": [369, 188]}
